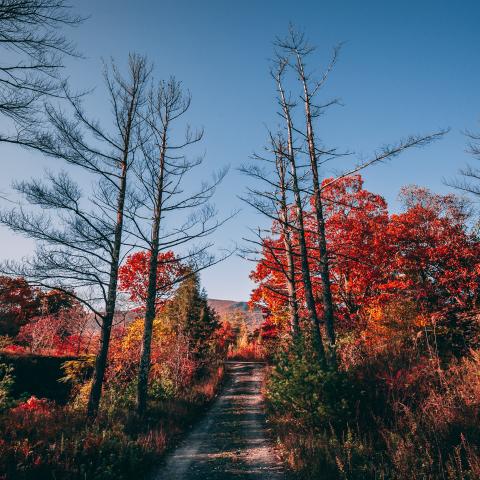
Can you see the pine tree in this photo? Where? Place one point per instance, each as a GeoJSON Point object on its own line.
{"type": "Point", "coordinates": [191, 315]}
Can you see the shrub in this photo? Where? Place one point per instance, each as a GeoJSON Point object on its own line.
{"type": "Point", "coordinates": [6, 384]}
{"type": "Point", "coordinates": [78, 371]}
{"type": "Point", "coordinates": [38, 375]}
{"type": "Point", "coordinates": [410, 417]}
{"type": "Point", "coordinates": [33, 406]}
{"type": "Point", "coordinates": [312, 395]}
{"type": "Point", "coordinates": [42, 440]}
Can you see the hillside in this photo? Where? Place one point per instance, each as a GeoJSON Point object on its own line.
{"type": "Point", "coordinates": [226, 309]}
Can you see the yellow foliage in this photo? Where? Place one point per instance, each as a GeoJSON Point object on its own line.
{"type": "Point", "coordinates": [134, 333]}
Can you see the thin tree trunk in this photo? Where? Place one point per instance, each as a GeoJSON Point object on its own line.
{"type": "Point", "coordinates": [145, 353]}
{"type": "Point", "coordinates": [291, 286]}
{"type": "Point", "coordinates": [107, 320]}
{"type": "Point", "coordinates": [287, 240]}
{"type": "Point", "coordinates": [329, 315]}
{"type": "Point", "coordinates": [163, 184]}
{"type": "Point", "coordinates": [307, 283]}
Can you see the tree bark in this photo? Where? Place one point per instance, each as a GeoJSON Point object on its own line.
{"type": "Point", "coordinates": [287, 240]}
{"type": "Point", "coordinates": [306, 276]}
{"type": "Point", "coordinates": [329, 315]}
{"type": "Point", "coordinates": [292, 286]}
{"type": "Point", "coordinates": [107, 320]}
{"type": "Point", "coordinates": [145, 353]}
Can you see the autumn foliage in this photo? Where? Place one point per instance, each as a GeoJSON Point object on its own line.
{"type": "Point", "coordinates": [406, 289]}
{"type": "Point", "coordinates": [425, 254]}
{"type": "Point", "coordinates": [18, 303]}
{"type": "Point", "coordinates": [133, 276]}
{"type": "Point", "coordinates": [188, 346]}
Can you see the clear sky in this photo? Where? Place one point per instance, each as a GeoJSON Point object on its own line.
{"type": "Point", "coordinates": [408, 66]}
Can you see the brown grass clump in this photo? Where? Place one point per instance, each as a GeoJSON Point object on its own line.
{"type": "Point", "coordinates": [416, 412]}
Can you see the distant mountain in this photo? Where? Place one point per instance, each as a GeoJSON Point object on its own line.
{"type": "Point", "coordinates": [227, 306]}
{"type": "Point", "coordinates": [227, 310]}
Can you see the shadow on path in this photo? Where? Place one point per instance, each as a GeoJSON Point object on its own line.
{"type": "Point", "coordinates": [231, 441]}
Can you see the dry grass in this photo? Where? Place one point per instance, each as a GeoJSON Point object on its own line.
{"type": "Point", "coordinates": [44, 440]}
{"type": "Point", "coordinates": [250, 352]}
{"type": "Point", "coordinates": [426, 426]}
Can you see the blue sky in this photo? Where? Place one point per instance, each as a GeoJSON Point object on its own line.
{"type": "Point", "coordinates": [406, 67]}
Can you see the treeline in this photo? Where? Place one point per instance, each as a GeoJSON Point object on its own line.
{"type": "Point", "coordinates": [372, 317]}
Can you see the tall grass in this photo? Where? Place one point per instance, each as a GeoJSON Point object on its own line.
{"type": "Point", "coordinates": [419, 422]}
{"type": "Point", "coordinates": [41, 440]}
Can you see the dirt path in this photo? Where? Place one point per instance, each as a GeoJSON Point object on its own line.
{"type": "Point", "coordinates": [231, 441]}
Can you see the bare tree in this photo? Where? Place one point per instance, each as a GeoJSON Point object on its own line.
{"type": "Point", "coordinates": [286, 106]}
{"type": "Point", "coordinates": [161, 173]}
{"type": "Point", "coordinates": [297, 47]}
{"type": "Point", "coordinates": [34, 48]}
{"type": "Point", "coordinates": [80, 243]}
{"type": "Point", "coordinates": [274, 203]}
{"type": "Point", "coordinates": [470, 175]}
{"type": "Point", "coordinates": [288, 234]}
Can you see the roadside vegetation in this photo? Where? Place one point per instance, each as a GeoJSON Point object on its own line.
{"type": "Point", "coordinates": [372, 316]}
{"type": "Point", "coordinates": [44, 438]}
{"type": "Point", "coordinates": [109, 349]}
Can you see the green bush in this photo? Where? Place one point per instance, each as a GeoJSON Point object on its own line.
{"type": "Point", "coordinates": [38, 375]}
{"type": "Point", "coordinates": [6, 384]}
{"type": "Point", "coordinates": [162, 388]}
{"type": "Point", "coordinates": [314, 396]}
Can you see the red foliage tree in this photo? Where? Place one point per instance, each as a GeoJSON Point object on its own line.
{"type": "Point", "coordinates": [425, 255]}
{"type": "Point", "coordinates": [18, 303]}
{"type": "Point", "coordinates": [436, 261]}
{"type": "Point", "coordinates": [63, 333]}
{"type": "Point", "coordinates": [55, 301]}
{"type": "Point", "coordinates": [356, 225]}
{"type": "Point", "coordinates": [133, 276]}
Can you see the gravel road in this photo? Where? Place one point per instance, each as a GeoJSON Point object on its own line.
{"type": "Point", "coordinates": [231, 441]}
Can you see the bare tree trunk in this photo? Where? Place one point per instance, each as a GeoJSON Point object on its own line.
{"type": "Point", "coordinates": [329, 316]}
{"type": "Point", "coordinates": [83, 246]}
{"type": "Point", "coordinates": [296, 45]}
{"type": "Point", "coordinates": [137, 67]}
{"type": "Point", "coordinates": [292, 286]}
{"type": "Point", "coordinates": [107, 320]}
{"type": "Point", "coordinates": [145, 352]}
{"type": "Point", "coordinates": [287, 240]}
{"type": "Point", "coordinates": [306, 276]}
{"type": "Point", "coordinates": [161, 190]}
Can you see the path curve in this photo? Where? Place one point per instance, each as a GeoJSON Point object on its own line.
{"type": "Point", "coordinates": [231, 441]}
